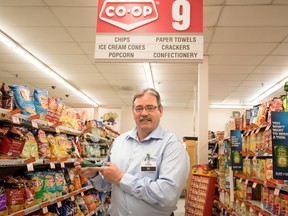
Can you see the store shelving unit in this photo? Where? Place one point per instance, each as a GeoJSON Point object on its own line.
{"type": "Point", "coordinates": [13, 166]}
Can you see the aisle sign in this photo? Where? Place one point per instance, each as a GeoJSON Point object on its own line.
{"type": "Point", "coordinates": [236, 147]}
{"type": "Point", "coordinates": [149, 30]}
{"type": "Point", "coordinates": [280, 144]}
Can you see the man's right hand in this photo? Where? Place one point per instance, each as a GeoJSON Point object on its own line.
{"type": "Point", "coordinates": [87, 172]}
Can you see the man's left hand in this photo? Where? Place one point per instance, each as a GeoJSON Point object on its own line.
{"type": "Point", "coordinates": [110, 172]}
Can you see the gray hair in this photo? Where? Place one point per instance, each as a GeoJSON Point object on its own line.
{"type": "Point", "coordinates": [151, 91]}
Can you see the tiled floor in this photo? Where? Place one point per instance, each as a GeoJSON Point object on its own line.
{"type": "Point", "coordinates": [180, 208]}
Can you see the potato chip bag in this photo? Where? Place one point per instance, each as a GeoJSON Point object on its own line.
{"type": "Point", "coordinates": [38, 179]}
{"type": "Point", "coordinates": [56, 150]}
{"type": "Point", "coordinates": [59, 183]}
{"type": "Point", "coordinates": [50, 185]}
{"type": "Point", "coordinates": [41, 102]}
{"type": "Point", "coordinates": [30, 149]}
{"type": "Point", "coordinates": [14, 194]}
{"type": "Point", "coordinates": [89, 201]}
{"type": "Point", "coordinates": [30, 196]}
{"type": "Point", "coordinates": [7, 97]}
{"type": "Point", "coordinates": [43, 145]}
{"type": "Point", "coordinates": [3, 207]}
{"type": "Point", "coordinates": [23, 99]}
{"type": "Point", "coordinates": [51, 110]}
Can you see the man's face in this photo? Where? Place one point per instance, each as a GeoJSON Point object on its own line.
{"type": "Point", "coordinates": [147, 119]}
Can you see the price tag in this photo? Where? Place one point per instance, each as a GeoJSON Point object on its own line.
{"type": "Point", "coordinates": [82, 194]}
{"type": "Point", "coordinates": [257, 131]}
{"type": "Point", "coordinates": [243, 204]}
{"type": "Point", "coordinates": [255, 157]}
{"type": "Point", "coordinates": [62, 165]}
{"type": "Point", "coordinates": [277, 190]}
{"type": "Point", "coordinates": [52, 165]}
{"type": "Point", "coordinates": [45, 210]}
{"type": "Point", "coordinates": [30, 167]}
{"type": "Point", "coordinates": [254, 185]}
{"type": "Point", "coordinates": [268, 127]}
{"type": "Point", "coordinates": [34, 124]}
{"type": "Point", "coordinates": [29, 164]}
{"type": "Point", "coordinates": [44, 207]}
{"type": "Point", "coordinates": [260, 214]}
{"type": "Point", "coordinates": [246, 182]}
{"type": "Point", "coordinates": [15, 120]}
{"type": "Point", "coordinates": [59, 204]}
{"type": "Point", "coordinates": [72, 198]}
{"type": "Point", "coordinates": [57, 129]}
{"type": "Point", "coordinates": [251, 209]}
{"type": "Point", "coordinates": [247, 157]}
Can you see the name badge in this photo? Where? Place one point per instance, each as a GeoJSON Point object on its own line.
{"type": "Point", "coordinates": [148, 164]}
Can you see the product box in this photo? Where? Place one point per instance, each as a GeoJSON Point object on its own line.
{"type": "Point", "coordinates": [255, 168]}
{"type": "Point", "coordinates": [283, 207]}
{"type": "Point", "coordinates": [261, 172]}
{"type": "Point", "coordinates": [264, 198]}
{"type": "Point", "coordinates": [269, 168]}
{"type": "Point", "coordinates": [253, 142]}
{"type": "Point", "coordinates": [276, 205]}
{"type": "Point", "coordinates": [271, 200]}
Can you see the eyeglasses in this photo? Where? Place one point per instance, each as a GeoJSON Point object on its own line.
{"type": "Point", "coordinates": [149, 108]}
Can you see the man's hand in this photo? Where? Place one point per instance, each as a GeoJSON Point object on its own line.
{"type": "Point", "coordinates": [88, 172]}
{"type": "Point", "coordinates": [111, 173]}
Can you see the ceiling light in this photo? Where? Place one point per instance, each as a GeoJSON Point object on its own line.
{"type": "Point", "coordinates": [149, 76]}
{"type": "Point", "coordinates": [35, 61]}
{"type": "Point", "coordinates": [269, 91]}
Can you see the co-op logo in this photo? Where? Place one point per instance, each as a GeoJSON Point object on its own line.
{"type": "Point", "coordinates": [128, 14]}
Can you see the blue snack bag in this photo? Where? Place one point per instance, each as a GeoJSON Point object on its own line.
{"type": "Point", "coordinates": [41, 102]}
{"type": "Point", "coordinates": [23, 99]}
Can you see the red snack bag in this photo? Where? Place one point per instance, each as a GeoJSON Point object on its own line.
{"type": "Point", "coordinates": [12, 143]}
{"type": "Point", "coordinates": [43, 145]}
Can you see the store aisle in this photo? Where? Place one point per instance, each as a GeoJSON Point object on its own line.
{"type": "Point", "coordinates": [180, 208]}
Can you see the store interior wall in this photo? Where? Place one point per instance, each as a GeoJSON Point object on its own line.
{"type": "Point", "coordinates": [218, 118]}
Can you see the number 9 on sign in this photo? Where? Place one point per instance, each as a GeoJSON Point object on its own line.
{"type": "Point", "coordinates": [181, 15]}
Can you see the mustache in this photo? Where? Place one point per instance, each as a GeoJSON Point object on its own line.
{"type": "Point", "coordinates": [145, 118]}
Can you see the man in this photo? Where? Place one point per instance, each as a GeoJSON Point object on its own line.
{"type": "Point", "coordinates": [148, 167]}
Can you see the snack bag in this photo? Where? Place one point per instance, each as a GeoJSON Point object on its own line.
{"type": "Point", "coordinates": [7, 97]}
{"type": "Point", "coordinates": [23, 99]}
{"type": "Point", "coordinates": [59, 183]}
{"type": "Point", "coordinates": [50, 185]}
{"type": "Point", "coordinates": [30, 149]}
{"type": "Point", "coordinates": [55, 149]}
{"type": "Point", "coordinates": [38, 180]}
{"type": "Point", "coordinates": [51, 110]}
{"type": "Point", "coordinates": [82, 205]}
{"type": "Point", "coordinates": [41, 102]}
{"type": "Point", "coordinates": [3, 204]}
{"type": "Point", "coordinates": [59, 110]}
{"type": "Point", "coordinates": [90, 202]}
{"type": "Point", "coordinates": [29, 196]}
{"type": "Point", "coordinates": [43, 145]}
{"type": "Point", "coordinates": [14, 194]}
{"type": "Point", "coordinates": [12, 144]}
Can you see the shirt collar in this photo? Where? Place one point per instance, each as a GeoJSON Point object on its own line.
{"type": "Point", "coordinates": [157, 133]}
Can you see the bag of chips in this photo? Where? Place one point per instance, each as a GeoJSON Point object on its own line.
{"type": "Point", "coordinates": [41, 102]}
{"type": "Point", "coordinates": [7, 97]}
{"type": "Point", "coordinates": [23, 99]}
{"type": "Point", "coordinates": [14, 194]}
{"type": "Point", "coordinates": [43, 145]}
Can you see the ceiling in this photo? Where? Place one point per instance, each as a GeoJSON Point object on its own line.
{"type": "Point", "coordinates": [246, 42]}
